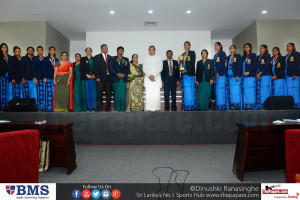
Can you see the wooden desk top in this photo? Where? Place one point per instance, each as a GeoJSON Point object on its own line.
{"type": "Point", "coordinates": [268, 125]}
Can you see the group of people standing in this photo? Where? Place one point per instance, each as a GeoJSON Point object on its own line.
{"type": "Point", "coordinates": [234, 82]}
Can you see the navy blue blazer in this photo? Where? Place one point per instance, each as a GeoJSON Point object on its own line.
{"type": "Point", "coordinates": [14, 69]}
{"type": "Point", "coordinates": [190, 63]}
{"type": "Point", "coordinates": [236, 65]}
{"type": "Point", "coordinates": [115, 68]}
{"type": "Point", "coordinates": [219, 63]}
{"type": "Point", "coordinates": [293, 64]}
{"type": "Point", "coordinates": [250, 65]}
{"type": "Point", "coordinates": [27, 70]}
{"type": "Point", "coordinates": [264, 65]}
{"type": "Point", "coordinates": [48, 69]}
{"type": "Point", "coordinates": [279, 68]}
{"type": "Point", "coordinates": [38, 65]}
{"type": "Point", "coordinates": [4, 66]}
{"type": "Point", "coordinates": [165, 73]}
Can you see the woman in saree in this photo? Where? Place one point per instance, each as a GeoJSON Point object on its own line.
{"type": "Point", "coordinates": [234, 76]}
{"type": "Point", "coordinates": [78, 95]}
{"type": "Point", "coordinates": [249, 77]}
{"type": "Point", "coordinates": [204, 81]}
{"type": "Point", "coordinates": [135, 85]}
{"type": "Point", "coordinates": [63, 81]}
{"type": "Point", "coordinates": [278, 73]}
{"type": "Point", "coordinates": [4, 75]}
{"type": "Point", "coordinates": [264, 83]}
{"type": "Point", "coordinates": [220, 74]}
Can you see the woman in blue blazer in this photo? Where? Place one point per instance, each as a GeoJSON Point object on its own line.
{"type": "Point", "coordinates": [234, 74]}
{"type": "Point", "coordinates": [278, 73]}
{"type": "Point", "coordinates": [249, 77]}
{"type": "Point", "coordinates": [264, 71]}
{"type": "Point", "coordinates": [220, 74]}
{"type": "Point", "coordinates": [292, 61]}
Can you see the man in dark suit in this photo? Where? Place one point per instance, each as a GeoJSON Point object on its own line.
{"type": "Point", "coordinates": [104, 84]}
{"type": "Point", "coordinates": [170, 77]}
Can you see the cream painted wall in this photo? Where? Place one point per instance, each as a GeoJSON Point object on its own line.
{"type": "Point", "coordinates": [139, 41]}
{"type": "Point", "coordinates": [56, 39]}
{"type": "Point", "coordinates": [76, 47]}
{"type": "Point", "coordinates": [247, 35]}
{"type": "Point", "coordinates": [277, 33]}
{"type": "Point", "coordinates": [225, 43]}
{"type": "Point", "coordinates": [22, 34]}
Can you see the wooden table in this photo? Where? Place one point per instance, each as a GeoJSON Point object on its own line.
{"type": "Point", "coordinates": [60, 135]}
{"type": "Point", "coordinates": [260, 147]}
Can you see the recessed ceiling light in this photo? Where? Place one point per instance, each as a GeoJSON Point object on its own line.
{"type": "Point", "coordinates": [150, 11]}
{"type": "Point", "coordinates": [264, 12]}
{"type": "Point", "coordinates": [112, 12]}
{"type": "Point", "coordinates": [188, 12]}
{"type": "Point", "coordinates": [36, 14]}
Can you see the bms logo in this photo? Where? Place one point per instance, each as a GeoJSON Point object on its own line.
{"type": "Point", "coordinates": [27, 189]}
{"type": "Point", "coordinates": [10, 189]}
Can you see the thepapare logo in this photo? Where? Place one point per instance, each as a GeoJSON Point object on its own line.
{"type": "Point", "coordinates": [28, 189]}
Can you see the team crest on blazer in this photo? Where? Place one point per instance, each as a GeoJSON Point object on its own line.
{"type": "Point", "coordinates": [249, 61]}
{"type": "Point", "coordinates": [292, 59]}
{"type": "Point", "coordinates": [126, 63]}
{"type": "Point", "coordinates": [234, 59]}
{"type": "Point", "coordinates": [218, 59]}
{"type": "Point", "coordinates": [278, 65]}
{"type": "Point", "coordinates": [208, 66]}
{"type": "Point", "coordinates": [188, 58]}
{"type": "Point", "coordinates": [262, 61]}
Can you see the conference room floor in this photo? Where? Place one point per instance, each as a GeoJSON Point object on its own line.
{"type": "Point", "coordinates": [134, 164]}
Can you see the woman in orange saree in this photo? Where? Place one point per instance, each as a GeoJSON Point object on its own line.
{"type": "Point", "coordinates": [63, 81]}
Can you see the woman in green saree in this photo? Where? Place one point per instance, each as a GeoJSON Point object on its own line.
{"type": "Point", "coordinates": [135, 85]}
{"type": "Point", "coordinates": [78, 93]}
{"type": "Point", "coordinates": [204, 81]}
{"type": "Point", "coordinates": [63, 81]}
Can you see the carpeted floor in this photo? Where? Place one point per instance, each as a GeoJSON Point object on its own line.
{"type": "Point", "coordinates": [134, 164]}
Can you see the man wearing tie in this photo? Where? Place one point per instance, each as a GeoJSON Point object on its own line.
{"type": "Point", "coordinates": [170, 77]}
{"type": "Point", "coordinates": [104, 84]}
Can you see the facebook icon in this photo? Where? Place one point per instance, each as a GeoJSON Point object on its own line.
{"type": "Point", "coordinates": [76, 194]}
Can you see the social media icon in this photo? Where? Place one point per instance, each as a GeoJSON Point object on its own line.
{"type": "Point", "coordinates": [96, 194]}
{"type": "Point", "coordinates": [116, 194]}
{"type": "Point", "coordinates": [86, 194]}
{"type": "Point", "coordinates": [76, 194]}
{"type": "Point", "coordinates": [105, 194]}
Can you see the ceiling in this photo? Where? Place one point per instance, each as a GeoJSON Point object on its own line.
{"type": "Point", "coordinates": [225, 18]}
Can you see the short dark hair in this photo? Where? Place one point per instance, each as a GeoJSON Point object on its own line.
{"type": "Point", "coordinates": [293, 45]}
{"type": "Point", "coordinates": [152, 47]}
{"type": "Point", "coordinates": [77, 54]}
{"type": "Point", "coordinates": [30, 48]}
{"type": "Point", "coordinates": [169, 51]}
{"type": "Point", "coordinates": [120, 47]}
{"type": "Point", "coordinates": [265, 47]}
{"type": "Point", "coordinates": [65, 53]}
{"type": "Point", "coordinates": [219, 43]}
{"type": "Point", "coordinates": [39, 47]}
{"type": "Point", "coordinates": [16, 47]}
{"type": "Point", "coordinates": [88, 48]}
{"type": "Point", "coordinates": [187, 42]}
{"type": "Point", "coordinates": [204, 50]}
{"type": "Point", "coordinates": [232, 46]}
{"type": "Point", "coordinates": [103, 45]}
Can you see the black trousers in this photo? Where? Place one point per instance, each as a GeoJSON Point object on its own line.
{"type": "Point", "coordinates": [102, 87]}
{"type": "Point", "coordinates": [171, 87]}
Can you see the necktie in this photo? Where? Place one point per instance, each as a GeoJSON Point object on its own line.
{"type": "Point", "coordinates": [170, 68]}
{"type": "Point", "coordinates": [107, 70]}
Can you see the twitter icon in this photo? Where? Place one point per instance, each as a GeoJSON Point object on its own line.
{"type": "Point", "coordinates": [96, 194]}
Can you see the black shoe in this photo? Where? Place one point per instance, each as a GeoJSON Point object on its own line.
{"type": "Point", "coordinates": [167, 109]}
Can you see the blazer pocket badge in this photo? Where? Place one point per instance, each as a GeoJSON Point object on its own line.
{"type": "Point", "coordinates": [234, 59]}
{"type": "Point", "coordinates": [188, 58]}
{"type": "Point", "coordinates": [292, 59]}
{"type": "Point", "coordinates": [208, 66]}
{"type": "Point", "coordinates": [278, 65]}
{"type": "Point", "coordinates": [218, 59]}
{"type": "Point", "coordinates": [249, 61]}
{"type": "Point", "coordinates": [263, 61]}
